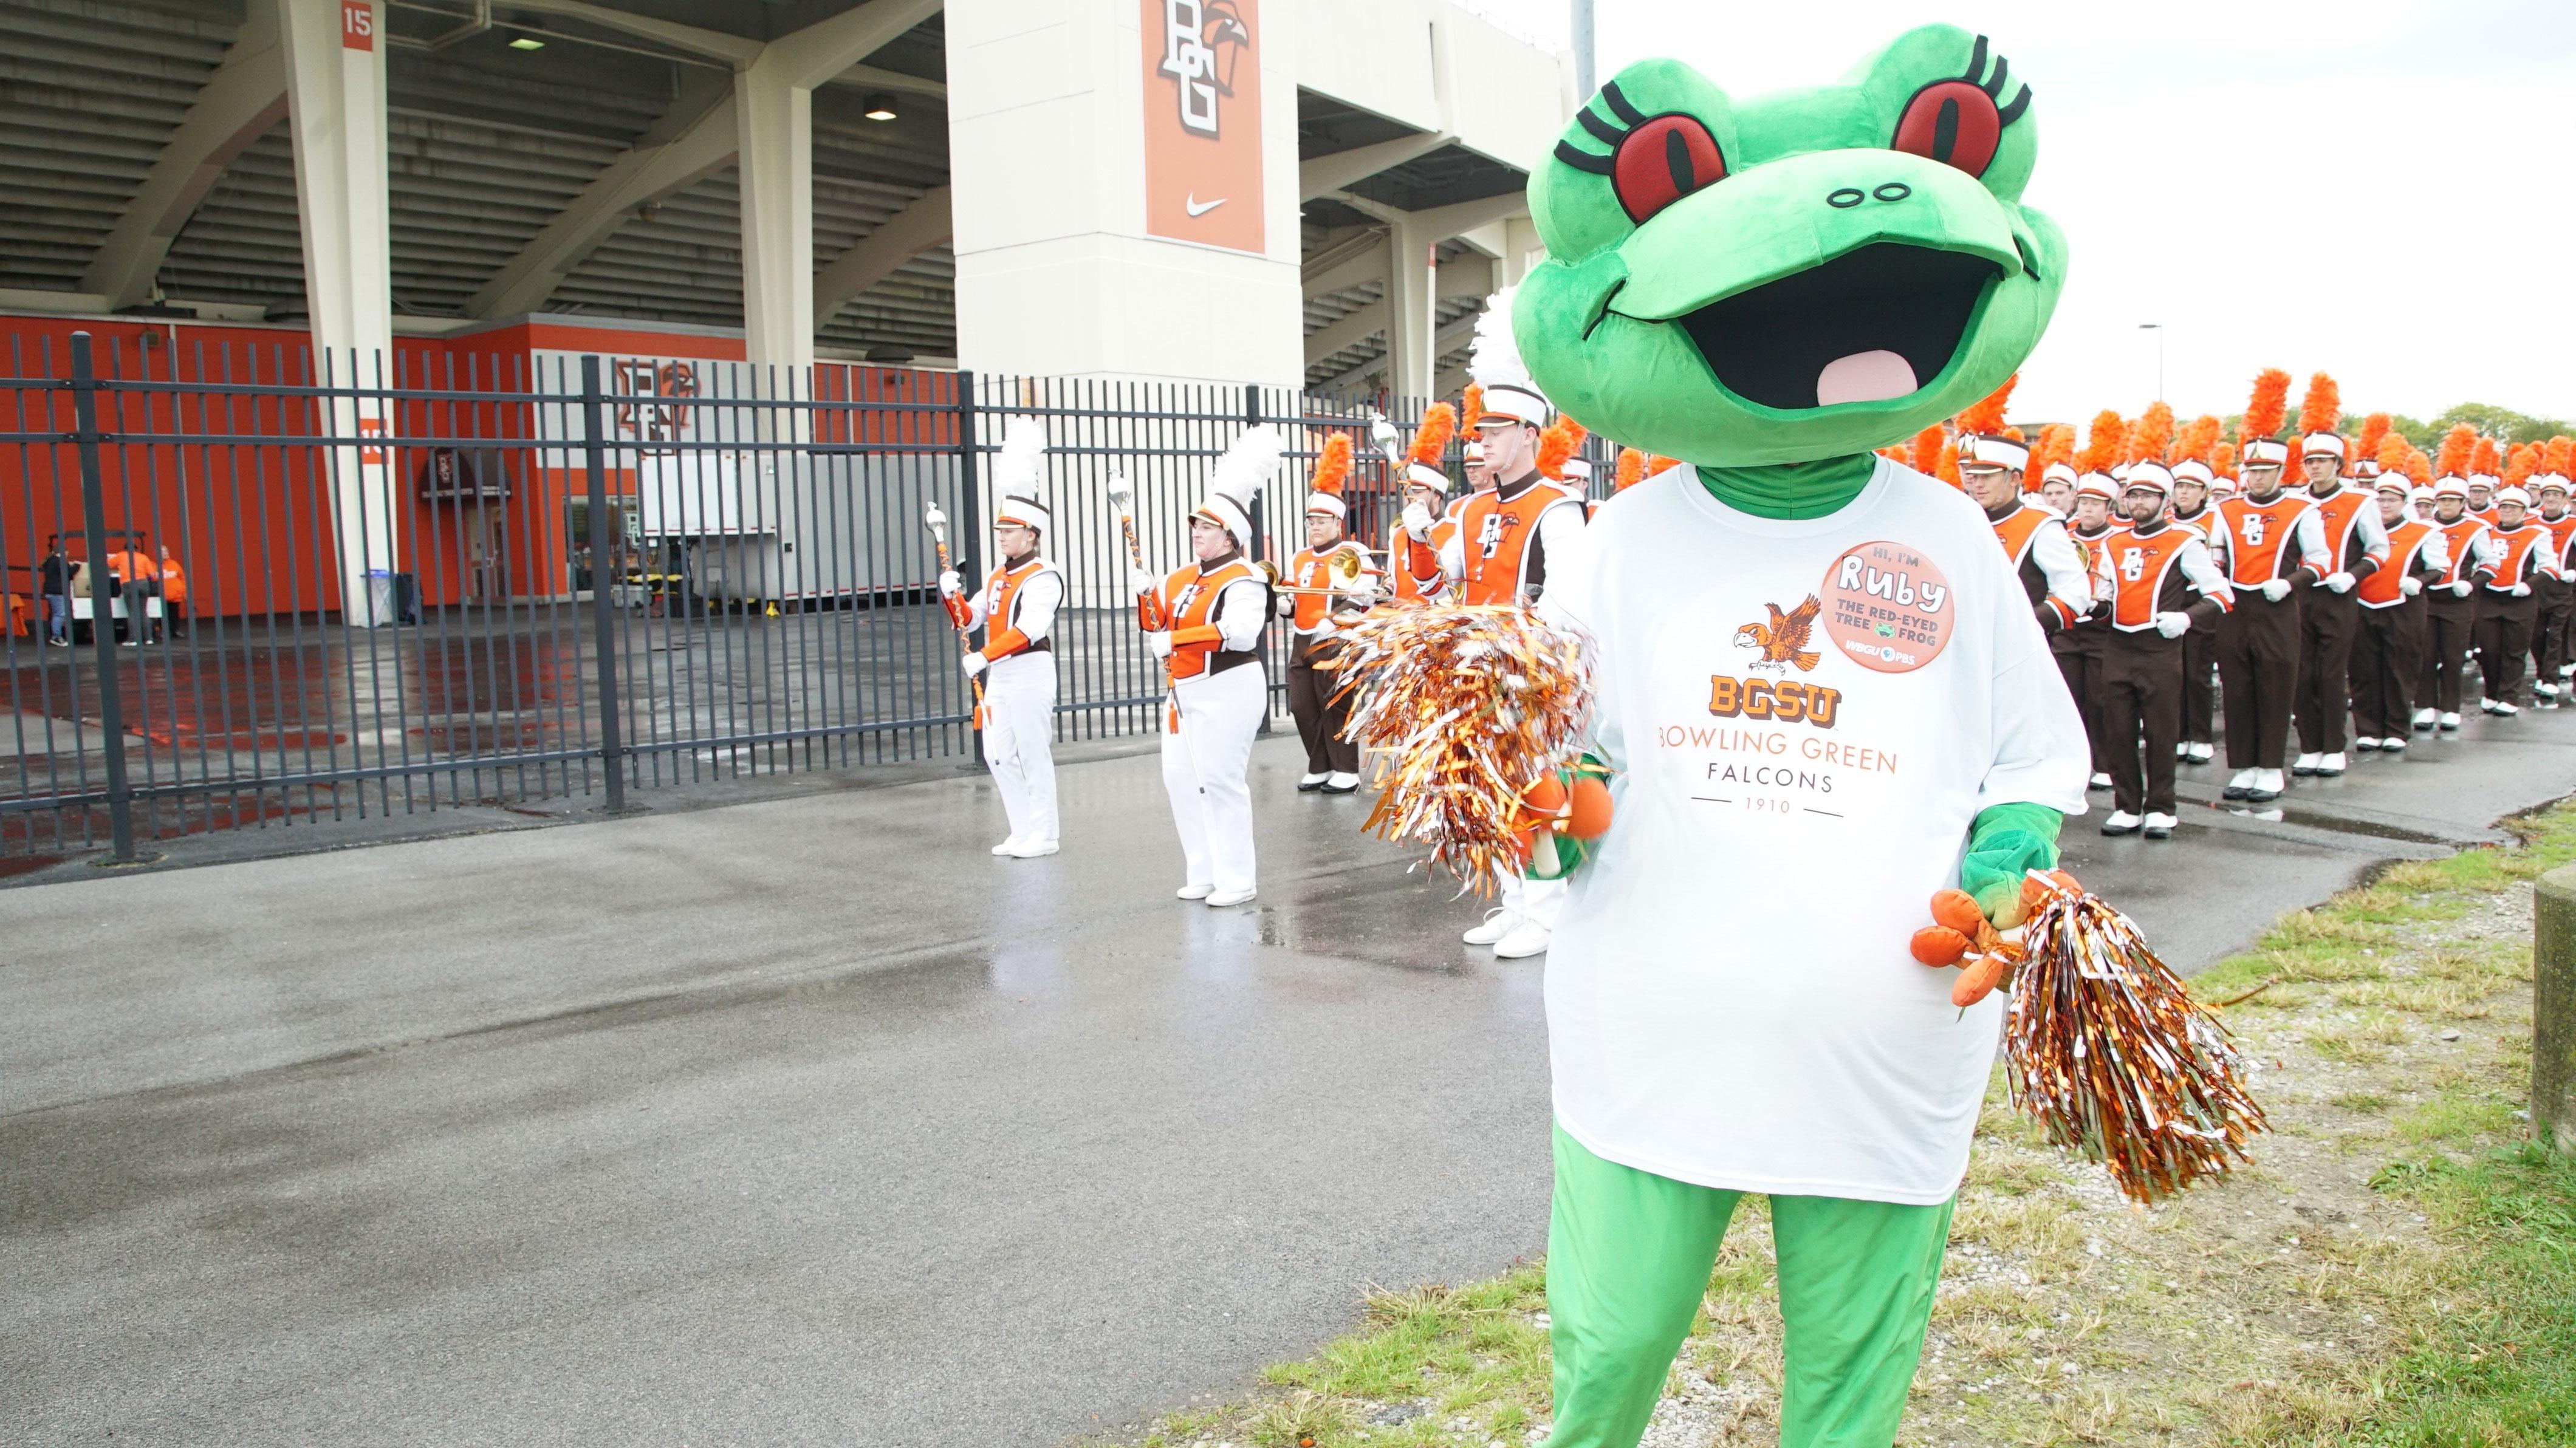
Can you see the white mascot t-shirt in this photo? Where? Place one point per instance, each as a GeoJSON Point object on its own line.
{"type": "Point", "coordinates": [1805, 716]}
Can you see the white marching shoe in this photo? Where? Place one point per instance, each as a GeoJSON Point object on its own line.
{"type": "Point", "coordinates": [2200, 753]}
{"type": "Point", "coordinates": [2121, 822]}
{"type": "Point", "coordinates": [2305, 763]}
{"type": "Point", "coordinates": [1231, 897]}
{"type": "Point", "coordinates": [1003, 850]}
{"type": "Point", "coordinates": [1309, 783]}
{"type": "Point", "coordinates": [2331, 765]}
{"type": "Point", "coordinates": [2366, 746]}
{"type": "Point", "coordinates": [2267, 785]}
{"type": "Point", "coordinates": [2425, 719]}
{"type": "Point", "coordinates": [2393, 746]}
{"type": "Point", "coordinates": [2450, 723]}
{"type": "Point", "coordinates": [2240, 782]}
{"type": "Point", "coordinates": [1498, 923]}
{"type": "Point", "coordinates": [2499, 708]}
{"type": "Point", "coordinates": [1528, 938]}
{"type": "Point", "coordinates": [1033, 849]}
{"type": "Point", "coordinates": [2098, 781]}
{"type": "Point", "coordinates": [2158, 826]}
{"type": "Point", "coordinates": [1341, 781]}
{"type": "Point", "coordinates": [1194, 891]}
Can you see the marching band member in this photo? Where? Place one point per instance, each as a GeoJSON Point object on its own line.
{"type": "Point", "coordinates": [2451, 605]}
{"type": "Point", "coordinates": [2269, 539]}
{"type": "Point", "coordinates": [2157, 567]}
{"type": "Point", "coordinates": [1326, 596]}
{"type": "Point", "coordinates": [2388, 655]}
{"type": "Point", "coordinates": [2553, 595]}
{"type": "Point", "coordinates": [2356, 547]}
{"type": "Point", "coordinates": [2052, 573]}
{"type": "Point", "coordinates": [2505, 604]}
{"type": "Point", "coordinates": [1500, 555]}
{"type": "Point", "coordinates": [1016, 609]}
{"type": "Point", "coordinates": [1424, 528]}
{"type": "Point", "coordinates": [2078, 647]}
{"type": "Point", "coordinates": [2482, 497]}
{"type": "Point", "coordinates": [1207, 618]}
{"type": "Point", "coordinates": [2194, 508]}
{"type": "Point", "coordinates": [2057, 488]}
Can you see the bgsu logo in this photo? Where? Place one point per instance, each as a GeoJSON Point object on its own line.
{"type": "Point", "coordinates": [1783, 701]}
{"type": "Point", "coordinates": [1781, 640]}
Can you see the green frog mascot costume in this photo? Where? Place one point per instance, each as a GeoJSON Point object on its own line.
{"type": "Point", "coordinates": [1821, 690]}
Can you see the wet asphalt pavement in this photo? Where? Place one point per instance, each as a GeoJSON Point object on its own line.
{"type": "Point", "coordinates": [807, 1121]}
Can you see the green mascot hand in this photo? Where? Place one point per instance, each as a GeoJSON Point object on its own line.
{"type": "Point", "coordinates": [2006, 842]}
{"type": "Point", "coordinates": [1562, 813]}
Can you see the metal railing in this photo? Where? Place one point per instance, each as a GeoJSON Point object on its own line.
{"type": "Point", "coordinates": [452, 578]}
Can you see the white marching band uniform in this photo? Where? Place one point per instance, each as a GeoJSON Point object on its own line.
{"type": "Point", "coordinates": [1016, 609]}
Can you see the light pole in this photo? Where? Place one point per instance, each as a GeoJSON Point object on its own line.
{"type": "Point", "coordinates": [2159, 329]}
{"type": "Point", "coordinates": [1582, 28]}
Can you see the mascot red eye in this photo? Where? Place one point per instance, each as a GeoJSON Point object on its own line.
{"type": "Point", "coordinates": [1953, 122]}
{"type": "Point", "coordinates": [1662, 160]}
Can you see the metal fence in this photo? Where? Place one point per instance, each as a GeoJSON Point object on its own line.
{"type": "Point", "coordinates": [446, 578]}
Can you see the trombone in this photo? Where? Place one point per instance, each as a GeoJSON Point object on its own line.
{"type": "Point", "coordinates": [1345, 568]}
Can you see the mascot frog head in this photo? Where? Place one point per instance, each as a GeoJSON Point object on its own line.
{"type": "Point", "coordinates": [1797, 276]}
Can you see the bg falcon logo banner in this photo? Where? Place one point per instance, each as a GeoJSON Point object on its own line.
{"type": "Point", "coordinates": [1203, 122]}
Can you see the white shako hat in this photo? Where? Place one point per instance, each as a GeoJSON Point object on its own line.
{"type": "Point", "coordinates": [2322, 444]}
{"type": "Point", "coordinates": [1016, 475]}
{"type": "Point", "coordinates": [2193, 470]}
{"type": "Point", "coordinates": [2223, 486]}
{"type": "Point", "coordinates": [2099, 485]}
{"type": "Point", "coordinates": [2482, 480]}
{"type": "Point", "coordinates": [1238, 478]}
{"type": "Point", "coordinates": [2059, 473]}
{"type": "Point", "coordinates": [2263, 452]}
{"type": "Point", "coordinates": [1574, 470]}
{"type": "Point", "coordinates": [2150, 475]}
{"type": "Point", "coordinates": [2365, 468]}
{"type": "Point", "coordinates": [1324, 488]}
{"type": "Point", "coordinates": [1494, 362]}
{"type": "Point", "coordinates": [1472, 450]}
{"type": "Point", "coordinates": [1982, 452]}
{"type": "Point", "coordinates": [2395, 482]}
{"type": "Point", "coordinates": [2545, 481]}
{"type": "Point", "coordinates": [2420, 493]}
{"type": "Point", "coordinates": [2451, 485]}
{"type": "Point", "coordinates": [2511, 495]}
{"type": "Point", "coordinates": [1418, 475]}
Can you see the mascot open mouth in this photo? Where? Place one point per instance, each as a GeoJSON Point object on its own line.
{"type": "Point", "coordinates": [1868, 326]}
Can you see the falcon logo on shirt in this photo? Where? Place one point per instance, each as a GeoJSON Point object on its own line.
{"type": "Point", "coordinates": [1781, 640]}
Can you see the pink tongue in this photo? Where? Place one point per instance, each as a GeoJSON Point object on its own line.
{"type": "Point", "coordinates": [1864, 377]}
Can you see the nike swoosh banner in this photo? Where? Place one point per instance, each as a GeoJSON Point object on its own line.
{"type": "Point", "coordinates": [1203, 122]}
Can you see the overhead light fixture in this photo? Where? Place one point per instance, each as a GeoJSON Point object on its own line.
{"type": "Point", "coordinates": [526, 42]}
{"type": "Point", "coordinates": [880, 108]}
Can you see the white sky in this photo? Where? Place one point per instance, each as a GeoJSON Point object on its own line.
{"type": "Point", "coordinates": [2379, 188]}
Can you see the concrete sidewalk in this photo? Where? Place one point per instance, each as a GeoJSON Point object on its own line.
{"type": "Point", "coordinates": [807, 1121]}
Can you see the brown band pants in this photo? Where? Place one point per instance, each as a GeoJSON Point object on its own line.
{"type": "Point", "coordinates": [2387, 660]}
{"type": "Point", "coordinates": [2503, 632]}
{"type": "Point", "coordinates": [2549, 627]}
{"type": "Point", "coordinates": [2079, 662]}
{"type": "Point", "coordinates": [2449, 627]}
{"type": "Point", "coordinates": [2258, 662]}
{"type": "Point", "coordinates": [1321, 719]}
{"type": "Point", "coordinates": [2328, 624]}
{"type": "Point", "coordinates": [2199, 687]}
{"type": "Point", "coordinates": [2141, 701]}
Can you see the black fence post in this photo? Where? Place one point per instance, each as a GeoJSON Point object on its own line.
{"type": "Point", "coordinates": [1251, 420]}
{"type": "Point", "coordinates": [594, 456]}
{"type": "Point", "coordinates": [969, 555]}
{"type": "Point", "coordinates": [102, 620]}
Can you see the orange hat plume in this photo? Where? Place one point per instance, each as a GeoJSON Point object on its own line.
{"type": "Point", "coordinates": [2483, 457]}
{"type": "Point", "coordinates": [2373, 428]}
{"type": "Point", "coordinates": [1927, 448]}
{"type": "Point", "coordinates": [2519, 467]}
{"type": "Point", "coordinates": [1948, 471]}
{"type": "Point", "coordinates": [2199, 438]}
{"type": "Point", "coordinates": [1332, 465]}
{"type": "Point", "coordinates": [1558, 443]}
{"type": "Point", "coordinates": [2103, 445]}
{"type": "Point", "coordinates": [1472, 408]}
{"type": "Point", "coordinates": [2559, 456]}
{"type": "Point", "coordinates": [1431, 439]}
{"type": "Point", "coordinates": [1987, 416]}
{"type": "Point", "coordinates": [2265, 410]}
{"type": "Point", "coordinates": [2322, 407]}
{"type": "Point", "coordinates": [2418, 466]}
{"type": "Point", "coordinates": [2391, 448]}
{"type": "Point", "coordinates": [2222, 459]}
{"type": "Point", "coordinates": [2056, 445]}
{"type": "Point", "coordinates": [1629, 471]}
{"type": "Point", "coordinates": [2153, 433]}
{"type": "Point", "coordinates": [2452, 460]}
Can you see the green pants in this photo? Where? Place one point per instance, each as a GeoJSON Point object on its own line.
{"type": "Point", "coordinates": [1628, 1260]}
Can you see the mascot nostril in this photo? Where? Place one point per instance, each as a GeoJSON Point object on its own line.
{"type": "Point", "coordinates": [1822, 693]}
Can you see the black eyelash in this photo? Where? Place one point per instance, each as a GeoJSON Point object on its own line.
{"type": "Point", "coordinates": [1993, 85]}
{"type": "Point", "coordinates": [1603, 131]}
{"type": "Point", "coordinates": [1583, 160]}
{"type": "Point", "coordinates": [1617, 100]}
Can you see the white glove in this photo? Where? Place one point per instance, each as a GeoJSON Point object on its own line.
{"type": "Point", "coordinates": [1160, 641]}
{"type": "Point", "coordinates": [2276, 589]}
{"type": "Point", "coordinates": [1139, 581]}
{"type": "Point", "coordinates": [1418, 521]}
{"type": "Point", "coordinates": [2106, 590]}
{"type": "Point", "coordinates": [2461, 588]}
{"type": "Point", "coordinates": [2173, 625]}
{"type": "Point", "coordinates": [950, 585]}
{"type": "Point", "coordinates": [975, 663]}
{"type": "Point", "coordinates": [2410, 585]}
{"type": "Point", "coordinates": [2340, 581]}
{"type": "Point", "coordinates": [2522, 590]}
{"type": "Point", "coordinates": [1285, 605]}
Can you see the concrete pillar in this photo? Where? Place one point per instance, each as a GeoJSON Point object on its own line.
{"type": "Point", "coordinates": [335, 94]}
{"type": "Point", "coordinates": [1124, 184]}
{"type": "Point", "coordinates": [2553, 1015]}
{"type": "Point", "coordinates": [1412, 285]}
{"type": "Point", "coordinates": [774, 119]}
